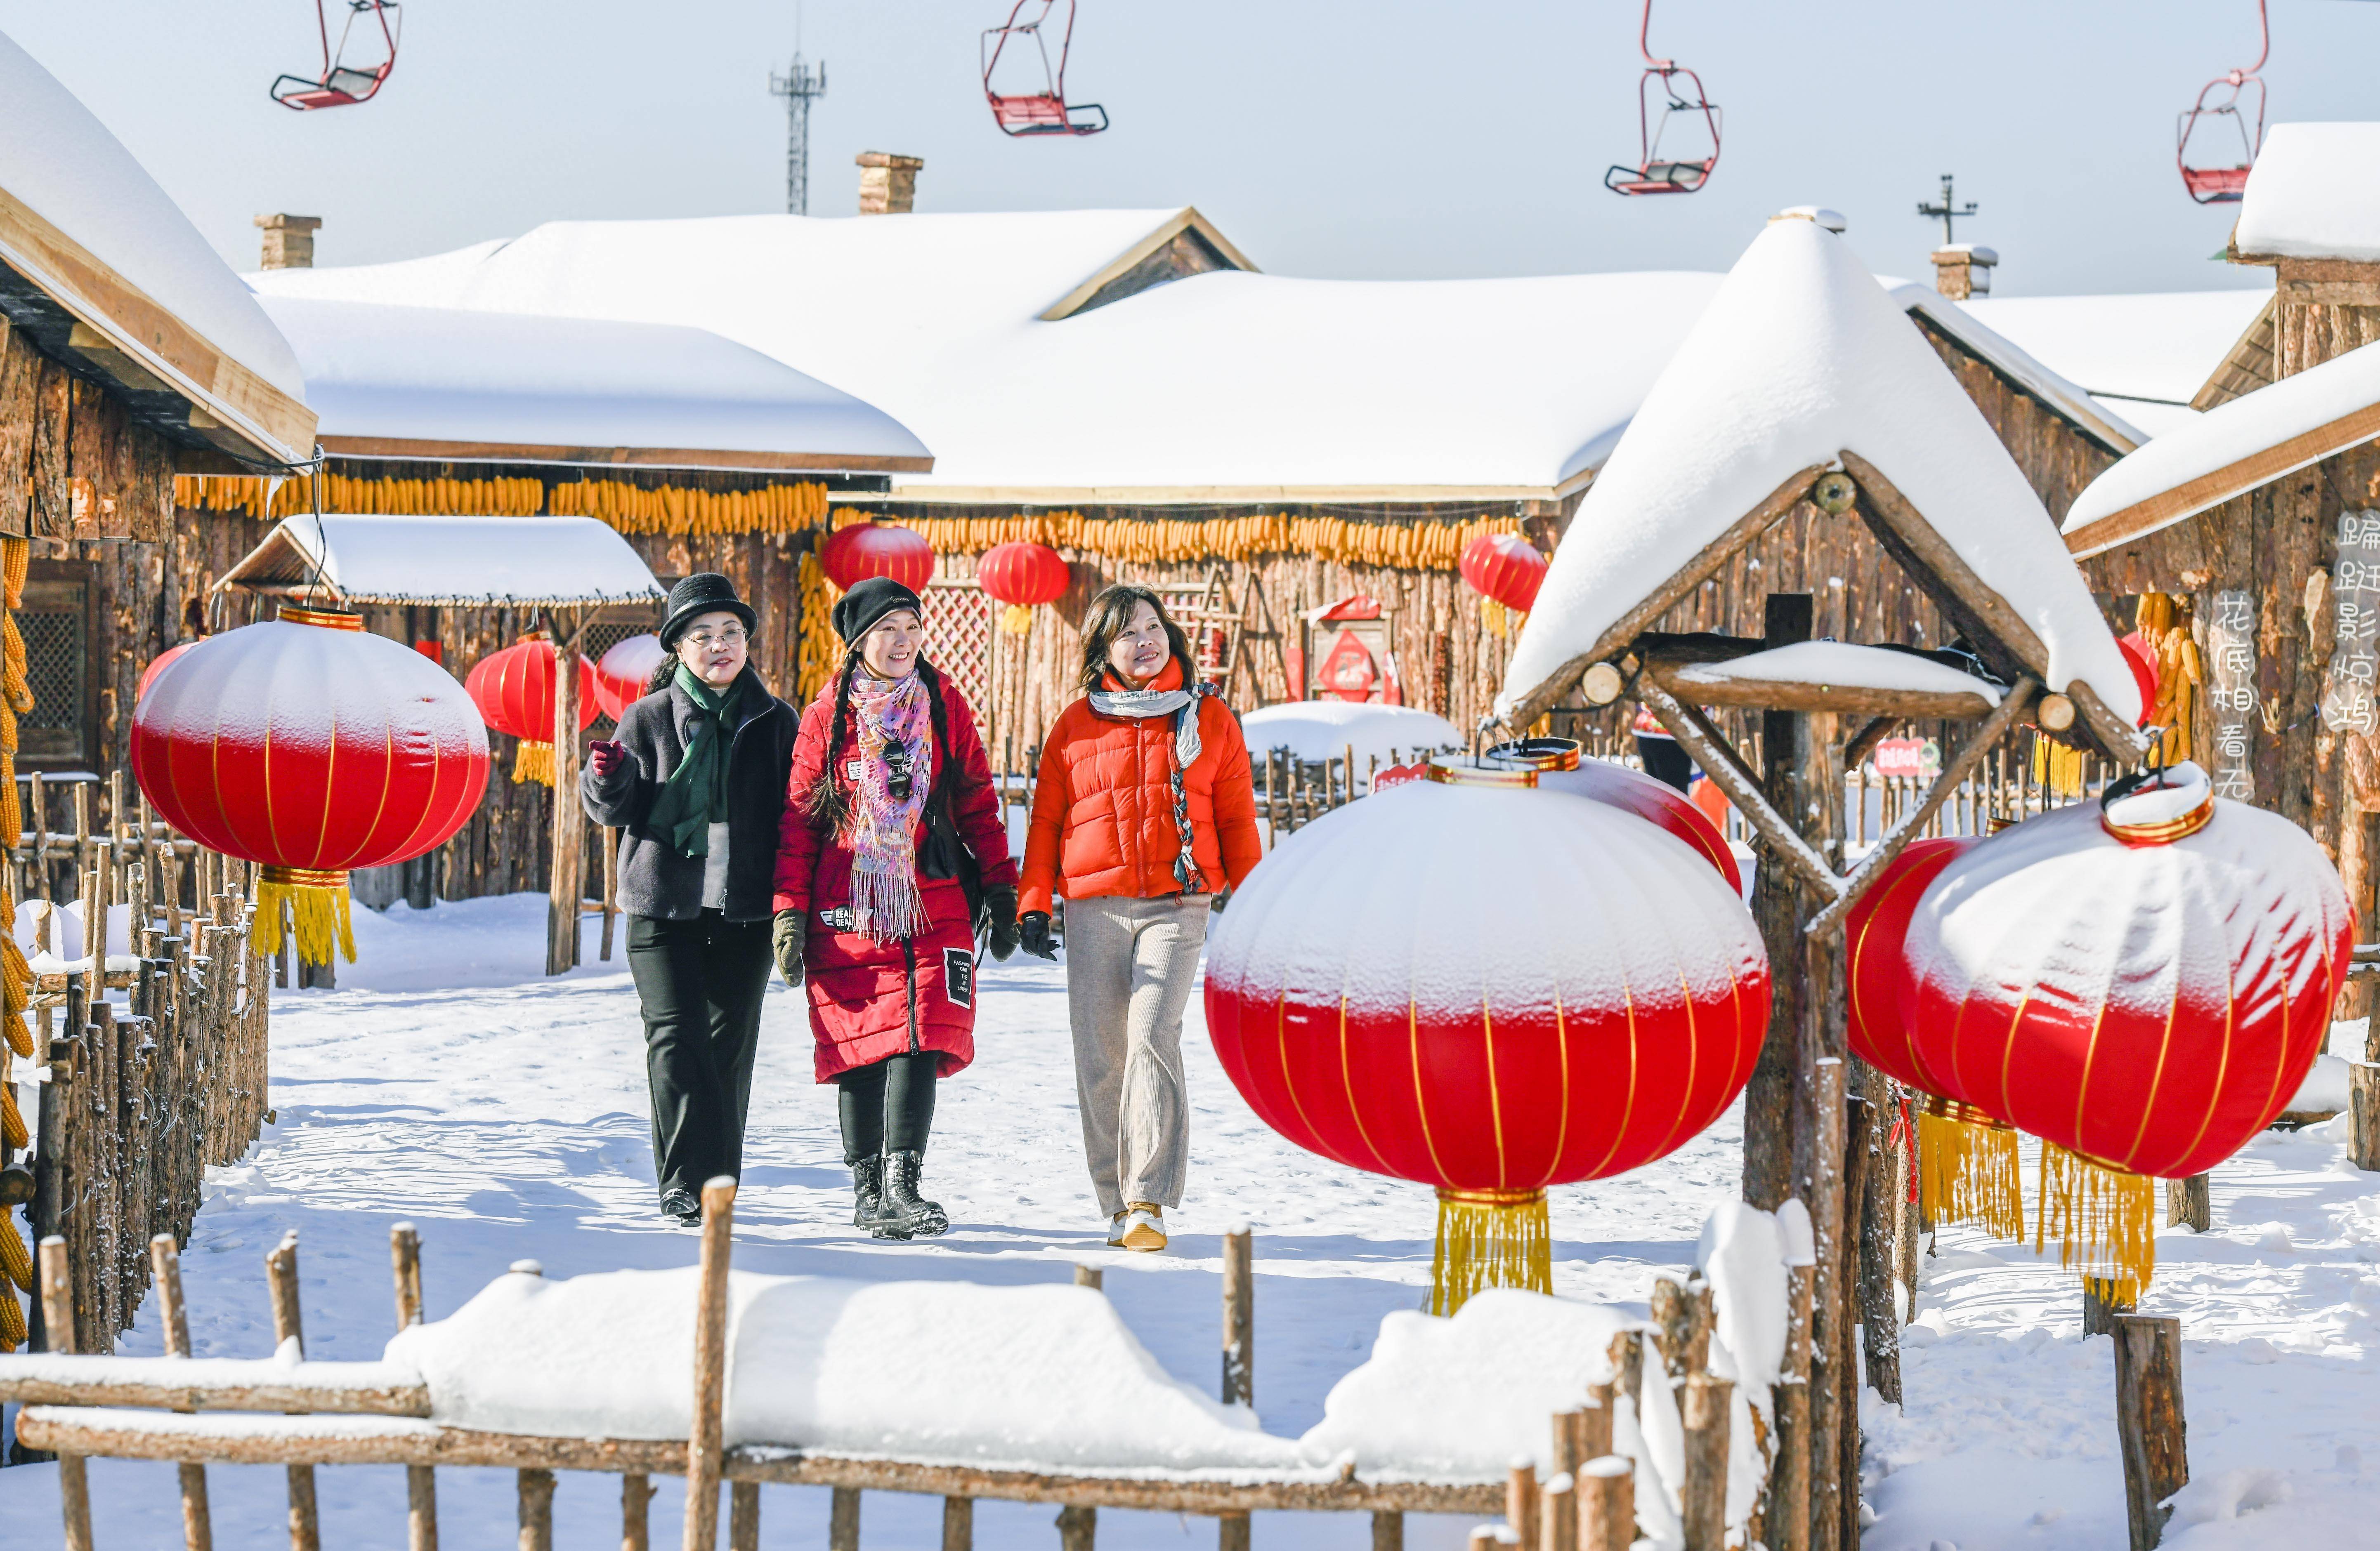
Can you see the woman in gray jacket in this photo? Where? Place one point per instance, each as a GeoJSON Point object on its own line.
{"type": "Point", "coordinates": [695, 781]}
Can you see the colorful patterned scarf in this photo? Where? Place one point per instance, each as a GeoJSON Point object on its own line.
{"type": "Point", "coordinates": [1182, 705]}
{"type": "Point", "coordinates": [892, 723]}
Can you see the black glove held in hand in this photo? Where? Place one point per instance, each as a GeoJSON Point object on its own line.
{"type": "Point", "coordinates": [1002, 936]}
{"type": "Point", "coordinates": [786, 941]}
{"type": "Point", "coordinates": [1034, 935]}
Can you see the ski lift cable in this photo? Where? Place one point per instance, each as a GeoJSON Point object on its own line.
{"type": "Point", "coordinates": [1653, 172]}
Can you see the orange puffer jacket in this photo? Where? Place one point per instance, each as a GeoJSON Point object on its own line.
{"type": "Point", "coordinates": [1104, 811]}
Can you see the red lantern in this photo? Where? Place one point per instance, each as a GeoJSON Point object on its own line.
{"type": "Point", "coordinates": [157, 665]}
{"type": "Point", "coordinates": [624, 671]}
{"type": "Point", "coordinates": [1873, 935]}
{"type": "Point", "coordinates": [1491, 989]}
{"type": "Point", "coordinates": [1021, 576]}
{"type": "Point", "coordinates": [310, 746]}
{"type": "Point", "coordinates": [874, 549]}
{"type": "Point", "coordinates": [514, 689]}
{"type": "Point", "coordinates": [1656, 802]}
{"type": "Point", "coordinates": [1506, 567]}
{"type": "Point", "coordinates": [2144, 981]}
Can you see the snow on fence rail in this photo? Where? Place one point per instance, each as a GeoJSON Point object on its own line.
{"type": "Point", "coordinates": [1664, 1427]}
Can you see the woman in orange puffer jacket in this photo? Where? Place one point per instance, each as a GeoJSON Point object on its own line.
{"type": "Point", "coordinates": [1144, 812]}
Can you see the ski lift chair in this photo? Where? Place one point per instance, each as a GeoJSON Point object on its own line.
{"type": "Point", "coordinates": [1655, 173]}
{"type": "Point", "coordinates": [341, 84]}
{"type": "Point", "coordinates": [2218, 184]}
{"type": "Point", "coordinates": [1045, 112]}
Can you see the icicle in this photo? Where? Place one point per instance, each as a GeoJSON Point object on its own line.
{"type": "Point", "coordinates": [1489, 1238]}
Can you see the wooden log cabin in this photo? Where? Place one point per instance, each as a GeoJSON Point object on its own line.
{"type": "Point", "coordinates": [1127, 386]}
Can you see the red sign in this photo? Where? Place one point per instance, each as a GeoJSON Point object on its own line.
{"type": "Point", "coordinates": [1397, 775]}
{"type": "Point", "coordinates": [1918, 758]}
{"type": "Point", "coordinates": [1349, 672]}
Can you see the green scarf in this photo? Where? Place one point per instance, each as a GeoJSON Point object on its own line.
{"type": "Point", "coordinates": [694, 796]}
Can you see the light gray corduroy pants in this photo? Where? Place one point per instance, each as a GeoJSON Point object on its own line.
{"type": "Point", "coordinates": [1129, 968]}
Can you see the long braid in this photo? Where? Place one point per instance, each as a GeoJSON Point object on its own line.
{"type": "Point", "coordinates": [829, 807]}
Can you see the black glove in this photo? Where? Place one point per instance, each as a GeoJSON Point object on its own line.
{"type": "Point", "coordinates": [1215, 904]}
{"type": "Point", "coordinates": [1001, 937]}
{"type": "Point", "coordinates": [785, 939]}
{"type": "Point", "coordinates": [1034, 935]}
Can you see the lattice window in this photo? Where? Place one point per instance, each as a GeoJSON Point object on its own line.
{"type": "Point", "coordinates": [55, 622]}
{"type": "Point", "coordinates": [959, 622]}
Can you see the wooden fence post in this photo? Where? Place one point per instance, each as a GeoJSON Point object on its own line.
{"type": "Point", "coordinates": [1558, 1514]}
{"type": "Point", "coordinates": [1088, 1276]}
{"type": "Point", "coordinates": [1078, 1529]}
{"type": "Point", "coordinates": [58, 1322]}
{"type": "Point", "coordinates": [1239, 1353]}
{"type": "Point", "coordinates": [958, 1524]}
{"type": "Point", "coordinates": [1388, 1529]}
{"type": "Point", "coordinates": [536, 1510]}
{"type": "Point", "coordinates": [1705, 1489]}
{"type": "Point", "coordinates": [842, 1519]}
{"type": "Point", "coordinates": [744, 1516]}
{"type": "Point", "coordinates": [289, 1325]}
{"type": "Point", "coordinates": [1521, 1503]}
{"type": "Point", "coordinates": [702, 1447]}
{"type": "Point", "coordinates": [2363, 1104]}
{"type": "Point", "coordinates": [1607, 1506]}
{"type": "Point", "coordinates": [636, 1524]}
{"type": "Point", "coordinates": [166, 1262]}
{"type": "Point", "coordinates": [420, 1481]}
{"type": "Point", "coordinates": [567, 840]}
{"type": "Point", "coordinates": [1789, 1477]}
{"type": "Point", "coordinates": [2189, 1203]}
{"type": "Point", "coordinates": [2150, 1431]}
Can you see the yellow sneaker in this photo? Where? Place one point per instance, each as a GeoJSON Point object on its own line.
{"type": "Point", "coordinates": [1144, 1226]}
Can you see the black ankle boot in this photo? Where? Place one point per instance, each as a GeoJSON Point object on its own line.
{"type": "Point", "coordinates": [868, 1188]}
{"type": "Point", "coordinates": [921, 1218]}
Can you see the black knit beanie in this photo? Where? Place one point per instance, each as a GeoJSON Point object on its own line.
{"type": "Point", "coordinates": [857, 612]}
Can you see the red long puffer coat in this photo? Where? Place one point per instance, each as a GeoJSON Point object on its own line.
{"type": "Point", "coordinates": [870, 999]}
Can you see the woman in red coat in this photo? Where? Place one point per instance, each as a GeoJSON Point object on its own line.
{"type": "Point", "coordinates": [889, 782]}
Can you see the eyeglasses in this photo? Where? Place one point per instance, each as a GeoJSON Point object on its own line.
{"type": "Point", "coordinates": [704, 640]}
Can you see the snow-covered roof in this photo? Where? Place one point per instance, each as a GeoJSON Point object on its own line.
{"type": "Point", "coordinates": [444, 383]}
{"type": "Point", "coordinates": [2232, 449]}
{"type": "Point", "coordinates": [92, 230]}
{"type": "Point", "coordinates": [2314, 193]}
{"type": "Point", "coordinates": [1801, 359]}
{"type": "Point", "coordinates": [1845, 664]}
{"type": "Point", "coordinates": [2146, 355]}
{"type": "Point", "coordinates": [1221, 385]}
{"type": "Point", "coordinates": [448, 561]}
{"type": "Point", "coordinates": [2012, 361]}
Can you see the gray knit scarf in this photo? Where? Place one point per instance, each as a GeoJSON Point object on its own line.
{"type": "Point", "coordinates": [1182, 705]}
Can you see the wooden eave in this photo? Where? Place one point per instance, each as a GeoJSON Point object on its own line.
{"type": "Point", "coordinates": [2248, 365]}
{"type": "Point", "coordinates": [1188, 219]}
{"type": "Point", "coordinates": [171, 378]}
{"type": "Point", "coordinates": [2187, 500]}
{"type": "Point", "coordinates": [280, 567]}
{"type": "Point", "coordinates": [407, 448]}
{"type": "Point", "coordinates": [2076, 415]}
{"type": "Point", "coordinates": [1216, 495]}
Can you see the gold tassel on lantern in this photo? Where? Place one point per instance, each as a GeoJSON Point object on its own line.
{"type": "Point", "coordinates": [2103, 1221]}
{"type": "Point", "coordinates": [1968, 1170]}
{"type": "Point", "coordinates": [318, 899]}
{"type": "Point", "coordinates": [1489, 1238]}
{"type": "Point", "coordinates": [1016, 619]}
{"type": "Point", "coordinates": [534, 762]}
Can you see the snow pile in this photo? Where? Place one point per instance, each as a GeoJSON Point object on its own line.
{"type": "Point", "coordinates": [2208, 462]}
{"type": "Point", "coordinates": [906, 1369]}
{"type": "Point", "coordinates": [1378, 900]}
{"type": "Point", "coordinates": [1314, 730]}
{"type": "Point", "coordinates": [2313, 194]}
{"type": "Point", "coordinates": [51, 935]}
{"type": "Point", "coordinates": [439, 375]}
{"type": "Point", "coordinates": [1798, 358]}
{"type": "Point", "coordinates": [1840, 662]}
{"type": "Point", "coordinates": [61, 163]}
{"type": "Point", "coordinates": [464, 562]}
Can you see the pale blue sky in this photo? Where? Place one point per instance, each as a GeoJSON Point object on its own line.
{"type": "Point", "coordinates": [1353, 137]}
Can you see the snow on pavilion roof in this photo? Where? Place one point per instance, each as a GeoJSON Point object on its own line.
{"type": "Point", "coordinates": [1800, 362]}
{"type": "Point", "coordinates": [447, 562]}
{"type": "Point", "coordinates": [2232, 449]}
{"type": "Point", "coordinates": [446, 384]}
{"type": "Point", "coordinates": [2314, 193]}
{"type": "Point", "coordinates": [94, 235]}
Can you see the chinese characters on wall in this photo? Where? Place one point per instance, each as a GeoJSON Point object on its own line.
{"type": "Point", "coordinates": [2231, 651]}
{"type": "Point", "coordinates": [2347, 688]}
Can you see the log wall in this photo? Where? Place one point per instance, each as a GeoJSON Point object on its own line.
{"type": "Point", "coordinates": [73, 463]}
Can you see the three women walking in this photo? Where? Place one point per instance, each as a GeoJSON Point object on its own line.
{"type": "Point", "coordinates": [862, 846]}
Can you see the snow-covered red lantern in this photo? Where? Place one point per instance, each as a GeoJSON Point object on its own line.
{"type": "Point", "coordinates": [1506, 567]}
{"type": "Point", "coordinates": [157, 665]}
{"type": "Point", "coordinates": [1559, 769]}
{"type": "Point", "coordinates": [1023, 576]}
{"type": "Point", "coordinates": [624, 671]}
{"type": "Point", "coordinates": [514, 689]}
{"type": "Point", "coordinates": [1489, 987]}
{"type": "Point", "coordinates": [310, 746]}
{"type": "Point", "coordinates": [853, 554]}
{"type": "Point", "coordinates": [2142, 982]}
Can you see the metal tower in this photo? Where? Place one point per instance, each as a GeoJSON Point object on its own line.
{"type": "Point", "coordinates": [797, 86]}
{"type": "Point", "coordinates": [1950, 209]}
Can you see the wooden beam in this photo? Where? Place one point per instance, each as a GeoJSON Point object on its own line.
{"type": "Point", "coordinates": [424, 450]}
{"type": "Point", "coordinates": [86, 1382]}
{"type": "Point", "coordinates": [1639, 618]}
{"type": "Point", "coordinates": [1723, 765]}
{"type": "Point", "coordinates": [1856, 752]}
{"type": "Point", "coordinates": [1789, 695]}
{"type": "Point", "coordinates": [2190, 497]}
{"type": "Point", "coordinates": [1913, 824]}
{"type": "Point", "coordinates": [1186, 220]}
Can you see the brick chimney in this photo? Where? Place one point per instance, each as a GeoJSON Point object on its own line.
{"type": "Point", "coordinates": [1963, 270]}
{"type": "Point", "coordinates": [888, 184]}
{"type": "Point", "coordinates": [289, 240]}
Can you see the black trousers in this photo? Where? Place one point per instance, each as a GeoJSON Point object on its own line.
{"type": "Point", "coordinates": [1664, 760]}
{"type": "Point", "coordinates": [700, 983]}
{"type": "Point", "coordinates": [889, 1107]}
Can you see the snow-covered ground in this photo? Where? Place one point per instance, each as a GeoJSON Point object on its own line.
{"type": "Point", "coordinates": [447, 1082]}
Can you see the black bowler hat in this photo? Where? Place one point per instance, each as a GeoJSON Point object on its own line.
{"type": "Point", "coordinates": [705, 592]}
{"type": "Point", "coordinates": [857, 612]}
